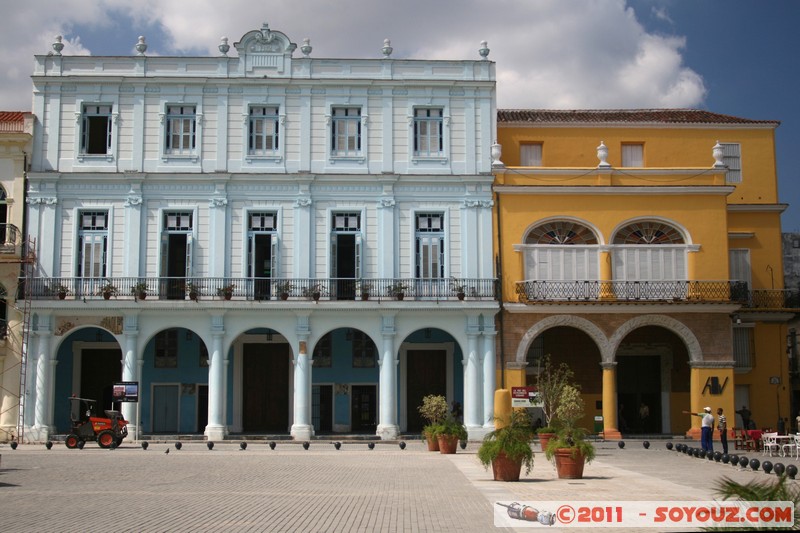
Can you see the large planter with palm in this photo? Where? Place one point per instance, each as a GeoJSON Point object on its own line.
{"type": "Point", "coordinates": [433, 410]}
{"type": "Point", "coordinates": [508, 448]}
{"type": "Point", "coordinates": [570, 450]}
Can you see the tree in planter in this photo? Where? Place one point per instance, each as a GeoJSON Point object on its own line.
{"type": "Point", "coordinates": [448, 433]}
{"type": "Point", "coordinates": [569, 449]}
{"type": "Point", "coordinates": [434, 411]}
{"type": "Point", "coordinates": [508, 448]}
{"type": "Point", "coordinates": [550, 383]}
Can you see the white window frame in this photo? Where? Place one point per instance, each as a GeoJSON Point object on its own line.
{"type": "Point", "coordinates": [530, 154]}
{"type": "Point", "coordinates": [634, 262]}
{"type": "Point", "coordinates": [357, 155]}
{"type": "Point", "coordinates": [360, 238]}
{"type": "Point", "coordinates": [80, 117]}
{"type": "Point", "coordinates": [428, 130]}
{"type": "Point", "coordinates": [92, 284]}
{"type": "Point", "coordinates": [732, 158]}
{"type": "Point", "coordinates": [743, 342]}
{"type": "Point", "coordinates": [429, 160]}
{"type": "Point", "coordinates": [277, 270]}
{"type": "Point", "coordinates": [443, 244]}
{"type": "Point", "coordinates": [275, 156]}
{"type": "Point", "coordinates": [570, 262]}
{"type": "Point", "coordinates": [192, 155]}
{"type": "Point", "coordinates": [632, 154]}
{"type": "Point", "coordinates": [191, 239]}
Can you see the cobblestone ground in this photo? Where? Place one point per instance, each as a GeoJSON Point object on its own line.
{"type": "Point", "coordinates": [291, 489]}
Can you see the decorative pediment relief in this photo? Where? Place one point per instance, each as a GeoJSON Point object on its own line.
{"type": "Point", "coordinates": [265, 52]}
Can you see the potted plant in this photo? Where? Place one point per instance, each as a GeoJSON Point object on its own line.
{"type": "Point", "coordinates": [284, 288]}
{"type": "Point", "coordinates": [193, 290]}
{"type": "Point", "coordinates": [140, 290]}
{"type": "Point", "coordinates": [313, 291]}
{"type": "Point", "coordinates": [448, 433]}
{"type": "Point", "coordinates": [365, 286]}
{"type": "Point", "coordinates": [569, 449]}
{"type": "Point", "coordinates": [550, 383]}
{"type": "Point", "coordinates": [60, 290]}
{"type": "Point", "coordinates": [226, 291]}
{"type": "Point", "coordinates": [108, 290]}
{"type": "Point", "coordinates": [397, 290]}
{"type": "Point", "coordinates": [433, 410]}
{"type": "Point", "coordinates": [458, 287]}
{"type": "Point", "coordinates": [508, 448]}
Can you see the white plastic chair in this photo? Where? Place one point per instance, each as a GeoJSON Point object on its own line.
{"type": "Point", "coordinates": [770, 444]}
{"type": "Point", "coordinates": [792, 447]}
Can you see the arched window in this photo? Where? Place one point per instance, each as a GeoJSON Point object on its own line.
{"type": "Point", "coordinates": [649, 251]}
{"type": "Point", "coordinates": [561, 250]}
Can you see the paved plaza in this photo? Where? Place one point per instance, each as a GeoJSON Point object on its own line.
{"type": "Point", "coordinates": [319, 489]}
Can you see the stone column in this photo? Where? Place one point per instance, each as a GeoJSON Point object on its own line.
{"type": "Point", "coordinates": [387, 426]}
{"type": "Point", "coordinates": [216, 428]}
{"type": "Point", "coordinates": [610, 422]}
{"type": "Point", "coordinates": [302, 428]}
{"type": "Point", "coordinates": [130, 372]}
{"type": "Point", "coordinates": [41, 429]}
{"type": "Point", "coordinates": [473, 392]}
{"type": "Point", "coordinates": [489, 373]}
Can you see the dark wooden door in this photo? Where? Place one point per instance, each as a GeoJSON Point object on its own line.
{"type": "Point", "coordinates": [363, 408]}
{"type": "Point", "coordinates": [265, 383]}
{"type": "Point", "coordinates": [202, 408]}
{"type": "Point", "coordinates": [100, 368]}
{"type": "Point", "coordinates": [427, 374]}
{"type": "Point", "coordinates": [322, 408]}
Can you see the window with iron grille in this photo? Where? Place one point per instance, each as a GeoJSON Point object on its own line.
{"type": "Point", "coordinates": [262, 221]}
{"type": "Point", "coordinates": [263, 131]}
{"type": "Point", "coordinates": [364, 350]}
{"type": "Point", "coordinates": [181, 130]}
{"type": "Point", "coordinates": [322, 357]}
{"type": "Point", "coordinates": [428, 132]}
{"type": "Point", "coordinates": [96, 129]}
{"type": "Point", "coordinates": [346, 222]}
{"type": "Point", "coordinates": [346, 131]}
{"type": "Point", "coordinates": [166, 349]}
{"type": "Point", "coordinates": [178, 220]}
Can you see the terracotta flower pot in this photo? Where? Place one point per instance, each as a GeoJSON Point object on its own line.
{"type": "Point", "coordinates": [504, 469]}
{"type": "Point", "coordinates": [567, 465]}
{"type": "Point", "coordinates": [433, 443]}
{"type": "Point", "coordinates": [544, 438]}
{"type": "Point", "coordinates": [448, 444]}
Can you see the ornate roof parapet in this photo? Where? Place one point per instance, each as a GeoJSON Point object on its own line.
{"type": "Point", "coordinates": [265, 52]}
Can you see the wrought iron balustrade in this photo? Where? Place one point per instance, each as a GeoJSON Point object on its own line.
{"type": "Point", "coordinates": [263, 289]}
{"type": "Point", "coordinates": [10, 239]}
{"type": "Point", "coordinates": [632, 291]}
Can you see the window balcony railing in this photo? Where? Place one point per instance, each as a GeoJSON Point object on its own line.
{"type": "Point", "coordinates": [10, 239]}
{"type": "Point", "coordinates": [277, 289]}
{"type": "Point", "coordinates": [656, 291]}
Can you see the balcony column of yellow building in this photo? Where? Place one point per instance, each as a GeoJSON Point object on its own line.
{"type": "Point", "coordinates": [711, 384]}
{"type": "Point", "coordinates": [610, 429]}
{"type": "Point", "coordinates": [606, 291]}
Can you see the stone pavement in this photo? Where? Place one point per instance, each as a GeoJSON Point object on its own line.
{"type": "Point", "coordinates": [320, 489]}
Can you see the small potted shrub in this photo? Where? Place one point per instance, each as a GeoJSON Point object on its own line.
{"type": "Point", "coordinates": [365, 286]}
{"type": "Point", "coordinates": [397, 290]}
{"type": "Point", "coordinates": [313, 292]}
{"type": "Point", "coordinates": [192, 290]}
{"type": "Point", "coordinates": [569, 449]}
{"type": "Point", "coordinates": [140, 290]}
{"type": "Point", "coordinates": [508, 448]}
{"type": "Point", "coordinates": [284, 288]}
{"type": "Point", "coordinates": [226, 291]}
{"type": "Point", "coordinates": [448, 433]}
{"type": "Point", "coordinates": [458, 287]}
{"type": "Point", "coordinates": [433, 410]}
{"type": "Point", "coordinates": [60, 290]}
{"type": "Point", "coordinates": [108, 290]}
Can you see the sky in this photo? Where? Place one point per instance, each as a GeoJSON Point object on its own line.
{"type": "Point", "coordinates": [732, 57]}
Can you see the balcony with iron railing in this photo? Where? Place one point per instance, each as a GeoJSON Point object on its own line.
{"type": "Point", "coordinates": [10, 240]}
{"type": "Point", "coordinates": [531, 291]}
{"type": "Point", "coordinates": [263, 289]}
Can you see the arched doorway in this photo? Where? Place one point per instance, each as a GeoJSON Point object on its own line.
{"type": "Point", "coordinates": [652, 381]}
{"type": "Point", "coordinates": [89, 363]}
{"type": "Point", "coordinates": [345, 382]}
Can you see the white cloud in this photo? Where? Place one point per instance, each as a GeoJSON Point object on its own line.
{"type": "Point", "coordinates": [548, 52]}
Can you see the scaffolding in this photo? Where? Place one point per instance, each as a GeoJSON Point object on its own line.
{"type": "Point", "coordinates": [15, 331]}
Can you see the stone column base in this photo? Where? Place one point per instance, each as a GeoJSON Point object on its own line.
{"type": "Point", "coordinates": [302, 432]}
{"type": "Point", "coordinates": [387, 432]}
{"type": "Point", "coordinates": [133, 433]}
{"type": "Point", "coordinates": [216, 432]}
{"type": "Point", "coordinates": [478, 432]}
{"type": "Point", "coordinates": [694, 433]}
{"type": "Point", "coordinates": [36, 434]}
{"type": "Point", "coordinates": [612, 434]}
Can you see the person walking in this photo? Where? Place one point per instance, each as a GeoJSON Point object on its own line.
{"type": "Point", "coordinates": [706, 429]}
{"type": "Point", "coordinates": [722, 424]}
{"type": "Point", "coordinates": [745, 413]}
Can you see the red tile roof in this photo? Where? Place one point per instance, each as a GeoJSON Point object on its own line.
{"type": "Point", "coordinates": [631, 116]}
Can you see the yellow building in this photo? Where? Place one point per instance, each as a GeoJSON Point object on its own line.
{"type": "Point", "coordinates": [643, 248]}
{"type": "Point", "coordinates": [16, 132]}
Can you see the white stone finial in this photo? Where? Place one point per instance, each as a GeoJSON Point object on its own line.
{"type": "Point", "coordinates": [387, 48]}
{"type": "Point", "coordinates": [141, 46]}
{"type": "Point", "coordinates": [497, 151]}
{"type": "Point", "coordinates": [484, 50]}
{"type": "Point", "coordinates": [224, 46]}
{"type": "Point", "coordinates": [58, 45]}
{"type": "Point", "coordinates": [306, 48]}
{"type": "Point", "coordinates": [718, 152]}
{"type": "Point", "coordinates": [602, 155]}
